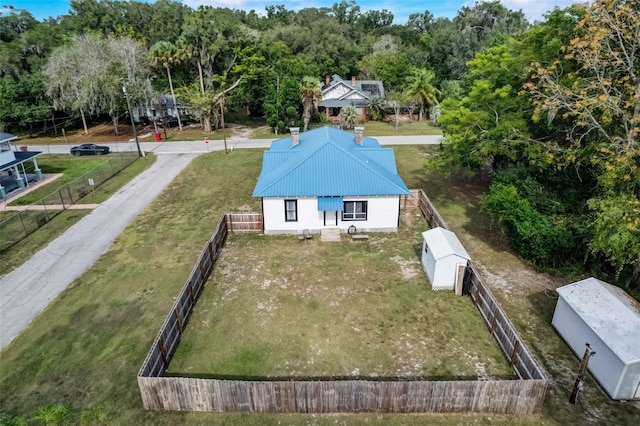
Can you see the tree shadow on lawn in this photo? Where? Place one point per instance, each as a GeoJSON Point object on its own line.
{"type": "Point", "coordinates": [458, 199]}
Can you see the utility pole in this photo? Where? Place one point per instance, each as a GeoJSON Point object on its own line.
{"type": "Point", "coordinates": [578, 385]}
{"type": "Point", "coordinates": [224, 134]}
{"type": "Point", "coordinates": [133, 124]}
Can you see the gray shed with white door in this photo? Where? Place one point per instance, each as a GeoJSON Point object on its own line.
{"type": "Point", "coordinates": [442, 254]}
{"type": "Point", "coordinates": [605, 316]}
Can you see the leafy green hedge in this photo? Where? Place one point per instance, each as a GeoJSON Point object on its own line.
{"type": "Point", "coordinates": [542, 239]}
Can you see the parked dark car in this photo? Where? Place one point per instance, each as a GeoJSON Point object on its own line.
{"type": "Point", "coordinates": [89, 149]}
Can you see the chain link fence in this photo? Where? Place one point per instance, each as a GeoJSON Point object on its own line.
{"type": "Point", "coordinates": [18, 226]}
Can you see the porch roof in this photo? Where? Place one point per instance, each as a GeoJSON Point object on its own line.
{"type": "Point", "coordinates": [21, 157]}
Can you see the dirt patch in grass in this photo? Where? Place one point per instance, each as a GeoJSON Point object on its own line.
{"type": "Point", "coordinates": [276, 307]}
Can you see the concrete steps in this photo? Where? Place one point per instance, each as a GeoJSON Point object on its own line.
{"type": "Point", "coordinates": [330, 235]}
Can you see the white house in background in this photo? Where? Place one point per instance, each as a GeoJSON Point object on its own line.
{"type": "Point", "coordinates": [443, 256]}
{"type": "Point", "coordinates": [329, 178]}
{"type": "Point", "coordinates": [11, 161]}
{"type": "Point", "coordinates": [605, 316]}
{"type": "Point", "coordinates": [338, 93]}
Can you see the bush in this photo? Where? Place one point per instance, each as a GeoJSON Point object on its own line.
{"type": "Point", "coordinates": [541, 239]}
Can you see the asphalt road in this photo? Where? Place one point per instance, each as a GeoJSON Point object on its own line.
{"type": "Point", "coordinates": [27, 290]}
{"type": "Point", "coordinates": [199, 147]}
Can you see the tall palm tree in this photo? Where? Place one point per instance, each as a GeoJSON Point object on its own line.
{"type": "Point", "coordinates": [376, 107]}
{"type": "Point", "coordinates": [420, 88]}
{"type": "Point", "coordinates": [311, 95]}
{"type": "Point", "coordinates": [165, 53]}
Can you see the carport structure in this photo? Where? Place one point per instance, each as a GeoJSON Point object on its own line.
{"type": "Point", "coordinates": [11, 161]}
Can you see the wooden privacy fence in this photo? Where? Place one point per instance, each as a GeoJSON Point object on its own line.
{"type": "Point", "coordinates": [297, 395]}
{"type": "Point", "coordinates": [331, 396]}
{"type": "Point", "coordinates": [244, 222]}
{"type": "Point", "coordinates": [500, 326]}
{"type": "Point", "coordinates": [173, 326]}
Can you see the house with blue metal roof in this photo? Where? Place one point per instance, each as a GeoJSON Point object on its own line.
{"type": "Point", "coordinates": [329, 178]}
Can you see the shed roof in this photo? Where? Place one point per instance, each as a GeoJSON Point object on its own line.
{"type": "Point", "coordinates": [610, 312]}
{"type": "Point", "coordinates": [328, 163]}
{"type": "Point", "coordinates": [443, 243]}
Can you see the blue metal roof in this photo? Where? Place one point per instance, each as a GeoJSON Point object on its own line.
{"type": "Point", "coordinates": [330, 204]}
{"type": "Point", "coordinates": [328, 163]}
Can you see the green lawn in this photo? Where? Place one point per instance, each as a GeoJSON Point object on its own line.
{"type": "Point", "coordinates": [23, 250]}
{"type": "Point", "coordinates": [18, 253]}
{"type": "Point", "coordinates": [87, 346]}
{"type": "Point", "coordinates": [73, 167]}
{"type": "Point", "coordinates": [276, 307]}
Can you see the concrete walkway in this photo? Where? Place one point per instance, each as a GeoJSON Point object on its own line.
{"type": "Point", "coordinates": [51, 207]}
{"type": "Point", "coordinates": [27, 290]}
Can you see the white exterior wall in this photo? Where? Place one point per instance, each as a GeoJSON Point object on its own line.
{"type": "Point", "coordinates": [441, 273]}
{"type": "Point", "coordinates": [446, 271]}
{"type": "Point", "coordinates": [605, 366]}
{"type": "Point", "coordinates": [428, 262]}
{"type": "Point", "coordinates": [6, 154]}
{"type": "Point", "coordinates": [382, 215]}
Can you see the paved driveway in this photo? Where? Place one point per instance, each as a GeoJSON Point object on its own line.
{"type": "Point", "coordinates": [26, 291]}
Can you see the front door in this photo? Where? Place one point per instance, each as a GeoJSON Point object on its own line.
{"type": "Point", "coordinates": [330, 218]}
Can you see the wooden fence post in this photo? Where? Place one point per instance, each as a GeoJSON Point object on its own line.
{"type": "Point", "coordinates": [516, 346]}
{"type": "Point", "coordinates": [493, 321]}
{"type": "Point", "coordinates": [163, 353]}
{"type": "Point", "coordinates": [177, 314]}
{"type": "Point", "coordinates": [191, 295]}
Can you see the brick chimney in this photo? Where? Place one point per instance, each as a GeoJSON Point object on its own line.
{"type": "Point", "coordinates": [327, 81]}
{"type": "Point", "coordinates": [353, 80]}
{"type": "Point", "coordinates": [359, 134]}
{"type": "Point", "coordinates": [295, 136]}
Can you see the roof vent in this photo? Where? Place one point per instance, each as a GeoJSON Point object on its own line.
{"type": "Point", "coordinates": [359, 134]}
{"type": "Point", "coordinates": [295, 135]}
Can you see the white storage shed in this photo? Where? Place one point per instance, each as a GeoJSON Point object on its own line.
{"type": "Point", "coordinates": [442, 254]}
{"type": "Point", "coordinates": [595, 312]}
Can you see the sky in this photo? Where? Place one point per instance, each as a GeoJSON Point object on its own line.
{"type": "Point", "coordinates": [401, 9]}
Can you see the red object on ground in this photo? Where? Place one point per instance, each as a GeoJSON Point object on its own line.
{"type": "Point", "coordinates": [158, 137]}
{"type": "Point", "coordinates": [206, 140]}
{"type": "Point", "coordinates": [23, 148]}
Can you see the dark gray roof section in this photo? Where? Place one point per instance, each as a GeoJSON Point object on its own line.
{"type": "Point", "coordinates": [339, 103]}
{"type": "Point", "coordinates": [21, 157]}
{"type": "Point", "coordinates": [4, 137]}
{"type": "Point", "coordinates": [366, 87]}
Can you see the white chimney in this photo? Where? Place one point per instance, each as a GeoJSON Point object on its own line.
{"type": "Point", "coordinates": [295, 135]}
{"type": "Point", "coordinates": [359, 134]}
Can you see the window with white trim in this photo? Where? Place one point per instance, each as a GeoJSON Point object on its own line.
{"type": "Point", "coordinates": [354, 210]}
{"type": "Point", "coordinates": [290, 210]}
